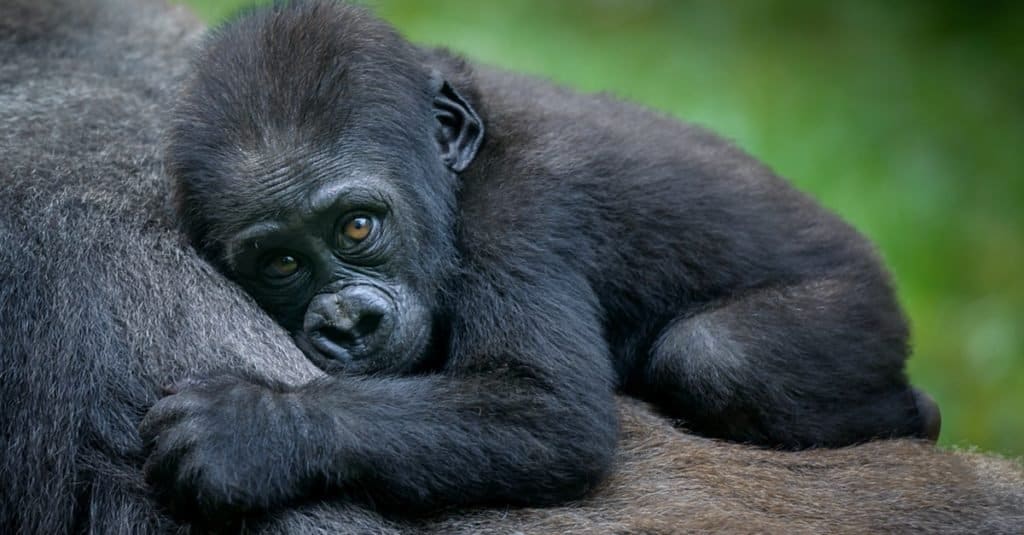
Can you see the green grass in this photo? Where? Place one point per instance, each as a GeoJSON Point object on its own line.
{"type": "Point", "coordinates": [907, 120]}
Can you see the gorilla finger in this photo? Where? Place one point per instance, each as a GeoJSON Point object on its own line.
{"type": "Point", "coordinates": [166, 412]}
{"type": "Point", "coordinates": [205, 382]}
{"type": "Point", "coordinates": [170, 451]}
{"type": "Point", "coordinates": [172, 483]}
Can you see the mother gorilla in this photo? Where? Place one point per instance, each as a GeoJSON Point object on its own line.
{"type": "Point", "coordinates": [101, 302]}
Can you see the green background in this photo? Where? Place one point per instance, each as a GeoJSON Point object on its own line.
{"type": "Point", "coordinates": [907, 118]}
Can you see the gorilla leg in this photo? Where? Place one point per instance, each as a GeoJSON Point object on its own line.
{"type": "Point", "coordinates": [730, 370]}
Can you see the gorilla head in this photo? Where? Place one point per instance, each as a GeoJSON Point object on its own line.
{"type": "Point", "coordinates": [306, 192]}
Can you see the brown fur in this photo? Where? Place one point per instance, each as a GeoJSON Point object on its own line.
{"type": "Point", "coordinates": [667, 481]}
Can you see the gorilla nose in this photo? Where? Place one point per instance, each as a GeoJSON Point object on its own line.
{"type": "Point", "coordinates": [351, 324]}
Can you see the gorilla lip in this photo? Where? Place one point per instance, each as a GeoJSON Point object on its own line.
{"type": "Point", "coordinates": [328, 347]}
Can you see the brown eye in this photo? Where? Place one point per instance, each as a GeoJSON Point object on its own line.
{"type": "Point", "coordinates": [281, 266]}
{"type": "Point", "coordinates": [357, 228]}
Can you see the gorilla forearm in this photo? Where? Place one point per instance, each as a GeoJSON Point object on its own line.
{"type": "Point", "coordinates": [406, 444]}
{"type": "Point", "coordinates": [491, 428]}
{"type": "Point", "coordinates": [425, 443]}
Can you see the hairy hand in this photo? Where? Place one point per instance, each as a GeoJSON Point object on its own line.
{"type": "Point", "coordinates": [225, 446]}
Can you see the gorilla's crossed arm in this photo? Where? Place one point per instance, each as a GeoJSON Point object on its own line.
{"type": "Point", "coordinates": [482, 259]}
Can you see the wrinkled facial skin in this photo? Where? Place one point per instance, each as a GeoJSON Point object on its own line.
{"type": "Point", "coordinates": [330, 272]}
{"type": "Point", "coordinates": [348, 245]}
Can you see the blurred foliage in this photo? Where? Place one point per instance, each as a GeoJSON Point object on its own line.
{"type": "Point", "coordinates": [907, 118]}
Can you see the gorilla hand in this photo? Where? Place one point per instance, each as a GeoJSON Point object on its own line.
{"type": "Point", "coordinates": [225, 446]}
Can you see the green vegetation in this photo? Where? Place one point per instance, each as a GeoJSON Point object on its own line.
{"type": "Point", "coordinates": [906, 118]}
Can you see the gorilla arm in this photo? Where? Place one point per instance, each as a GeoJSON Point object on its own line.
{"type": "Point", "coordinates": [511, 419]}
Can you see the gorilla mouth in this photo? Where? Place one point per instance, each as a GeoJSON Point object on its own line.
{"type": "Point", "coordinates": [343, 344]}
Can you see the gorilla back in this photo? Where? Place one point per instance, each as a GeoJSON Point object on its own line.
{"type": "Point", "coordinates": [500, 286]}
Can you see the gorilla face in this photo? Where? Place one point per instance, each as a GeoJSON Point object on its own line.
{"type": "Point", "coordinates": [331, 272]}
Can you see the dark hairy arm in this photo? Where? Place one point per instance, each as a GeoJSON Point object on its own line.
{"type": "Point", "coordinates": [510, 418]}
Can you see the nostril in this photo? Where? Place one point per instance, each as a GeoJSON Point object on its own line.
{"type": "Point", "coordinates": [368, 323]}
{"type": "Point", "coordinates": [342, 337]}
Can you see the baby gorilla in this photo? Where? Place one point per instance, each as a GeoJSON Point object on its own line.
{"type": "Point", "coordinates": [480, 297]}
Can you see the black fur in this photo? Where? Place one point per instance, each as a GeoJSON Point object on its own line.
{"type": "Point", "coordinates": [586, 245]}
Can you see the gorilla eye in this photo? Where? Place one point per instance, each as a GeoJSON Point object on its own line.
{"type": "Point", "coordinates": [282, 266]}
{"type": "Point", "coordinates": [357, 229]}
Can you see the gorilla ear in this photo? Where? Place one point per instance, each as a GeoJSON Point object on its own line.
{"type": "Point", "coordinates": [459, 130]}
